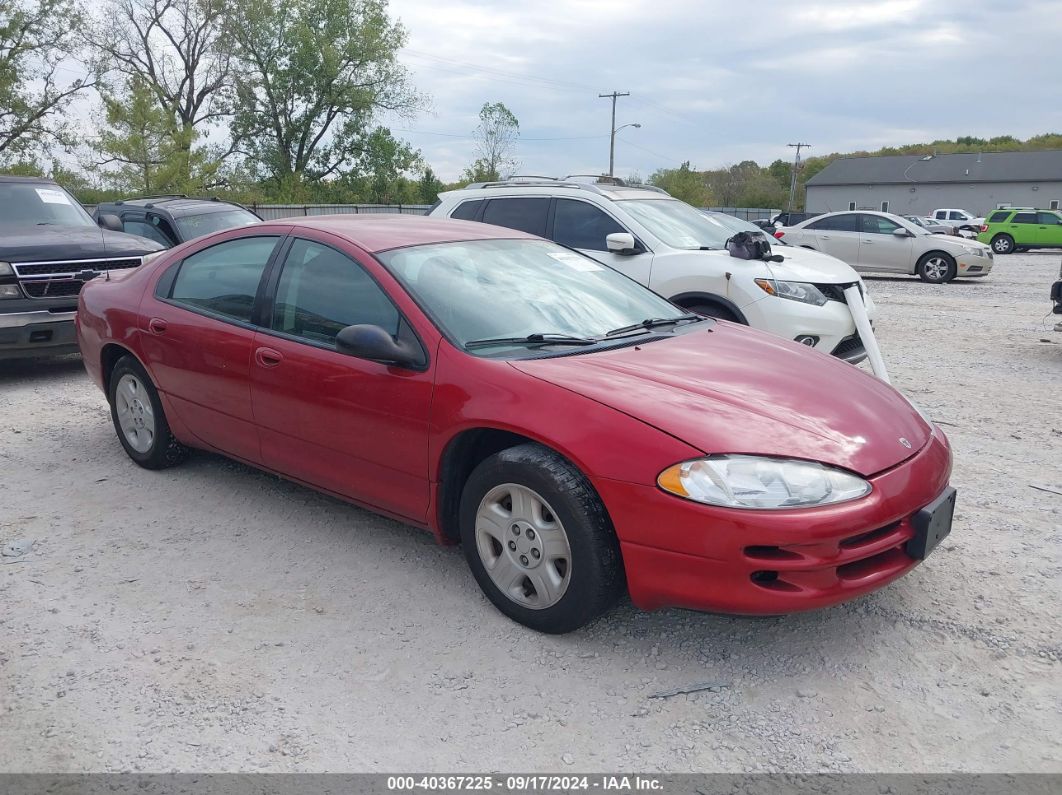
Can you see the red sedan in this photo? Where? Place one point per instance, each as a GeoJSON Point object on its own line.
{"type": "Point", "coordinates": [578, 434]}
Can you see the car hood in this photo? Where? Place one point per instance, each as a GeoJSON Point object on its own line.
{"type": "Point", "coordinates": [730, 389]}
{"type": "Point", "coordinates": [805, 265]}
{"type": "Point", "coordinates": [951, 244]}
{"type": "Point", "coordinates": [47, 243]}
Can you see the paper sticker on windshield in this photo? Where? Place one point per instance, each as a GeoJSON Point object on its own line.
{"type": "Point", "coordinates": [576, 261]}
{"type": "Point", "coordinates": [51, 196]}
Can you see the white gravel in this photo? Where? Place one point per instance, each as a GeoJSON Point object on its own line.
{"type": "Point", "coordinates": [215, 618]}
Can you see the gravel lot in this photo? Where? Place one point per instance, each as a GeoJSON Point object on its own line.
{"type": "Point", "coordinates": [215, 618]}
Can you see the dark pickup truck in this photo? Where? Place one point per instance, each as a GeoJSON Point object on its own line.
{"type": "Point", "coordinates": [49, 247]}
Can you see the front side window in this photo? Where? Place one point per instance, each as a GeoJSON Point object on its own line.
{"type": "Point", "coordinates": [491, 289]}
{"type": "Point", "coordinates": [224, 279]}
{"type": "Point", "coordinates": [141, 227]}
{"type": "Point", "coordinates": [526, 215]}
{"type": "Point", "coordinates": [582, 225]}
{"type": "Point", "coordinates": [322, 291]}
{"type": "Point", "coordinates": [676, 223]}
{"type": "Point", "coordinates": [1024, 218]}
{"type": "Point", "coordinates": [878, 225]}
{"type": "Point", "coordinates": [39, 204]}
{"type": "Point", "coordinates": [845, 222]}
{"type": "Point", "coordinates": [207, 223]}
{"type": "Point", "coordinates": [1048, 219]}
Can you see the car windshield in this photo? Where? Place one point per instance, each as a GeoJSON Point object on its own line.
{"type": "Point", "coordinates": [206, 223]}
{"type": "Point", "coordinates": [677, 224]}
{"type": "Point", "coordinates": [40, 203]}
{"type": "Point", "coordinates": [484, 290]}
{"type": "Point", "coordinates": [733, 225]}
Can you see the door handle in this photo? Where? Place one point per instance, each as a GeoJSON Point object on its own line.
{"type": "Point", "coordinates": [867, 242]}
{"type": "Point", "coordinates": [157, 325]}
{"type": "Point", "coordinates": [267, 357]}
{"type": "Point", "coordinates": [825, 237]}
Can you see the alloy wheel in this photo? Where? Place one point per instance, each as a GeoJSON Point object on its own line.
{"type": "Point", "coordinates": [136, 417]}
{"type": "Point", "coordinates": [936, 268]}
{"type": "Point", "coordinates": [523, 546]}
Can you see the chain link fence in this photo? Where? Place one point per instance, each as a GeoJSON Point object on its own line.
{"type": "Point", "coordinates": [271, 212]}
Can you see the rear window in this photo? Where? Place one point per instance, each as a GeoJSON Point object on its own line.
{"type": "Point", "coordinates": [998, 218]}
{"type": "Point", "coordinates": [527, 215]}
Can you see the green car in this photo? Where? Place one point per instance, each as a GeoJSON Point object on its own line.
{"type": "Point", "coordinates": [1019, 228]}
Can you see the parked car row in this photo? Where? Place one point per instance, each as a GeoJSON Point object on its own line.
{"type": "Point", "coordinates": [876, 242]}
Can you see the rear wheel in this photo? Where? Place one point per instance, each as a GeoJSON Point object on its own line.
{"type": "Point", "coordinates": [936, 267]}
{"type": "Point", "coordinates": [714, 310]}
{"type": "Point", "coordinates": [1003, 244]}
{"type": "Point", "coordinates": [139, 419]}
{"type": "Point", "coordinates": [538, 540]}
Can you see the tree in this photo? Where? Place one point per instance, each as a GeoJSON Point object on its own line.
{"type": "Point", "coordinates": [313, 75]}
{"type": "Point", "coordinates": [36, 36]}
{"type": "Point", "coordinates": [428, 187]}
{"type": "Point", "coordinates": [175, 55]}
{"type": "Point", "coordinates": [496, 138]}
{"type": "Point", "coordinates": [683, 183]}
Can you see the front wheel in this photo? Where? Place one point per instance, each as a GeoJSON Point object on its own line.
{"type": "Point", "coordinates": [139, 419]}
{"type": "Point", "coordinates": [538, 540]}
{"type": "Point", "coordinates": [1003, 244]}
{"type": "Point", "coordinates": [936, 268]}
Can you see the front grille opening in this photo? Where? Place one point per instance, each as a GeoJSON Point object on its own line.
{"type": "Point", "coordinates": [770, 581]}
{"type": "Point", "coordinates": [869, 538]}
{"type": "Point", "coordinates": [890, 558]}
{"type": "Point", "coordinates": [771, 553]}
{"type": "Point", "coordinates": [40, 336]}
{"type": "Point", "coordinates": [58, 289]}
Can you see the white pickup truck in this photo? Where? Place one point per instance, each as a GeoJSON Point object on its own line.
{"type": "Point", "coordinates": [957, 219]}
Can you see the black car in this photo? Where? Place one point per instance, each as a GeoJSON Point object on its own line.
{"type": "Point", "coordinates": [792, 218]}
{"type": "Point", "coordinates": [1056, 297]}
{"type": "Point", "coordinates": [49, 247]}
{"type": "Point", "coordinates": [175, 219]}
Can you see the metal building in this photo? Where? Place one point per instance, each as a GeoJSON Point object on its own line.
{"type": "Point", "coordinates": [919, 184]}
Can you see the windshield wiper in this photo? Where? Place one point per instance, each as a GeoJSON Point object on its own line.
{"type": "Point", "coordinates": [655, 322]}
{"type": "Point", "coordinates": [531, 339]}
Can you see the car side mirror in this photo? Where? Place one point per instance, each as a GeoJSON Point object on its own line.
{"type": "Point", "coordinates": [901, 232]}
{"type": "Point", "coordinates": [375, 344]}
{"type": "Point", "coordinates": [622, 243]}
{"type": "Point", "coordinates": [111, 222]}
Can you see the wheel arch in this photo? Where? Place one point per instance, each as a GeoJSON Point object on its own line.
{"type": "Point", "coordinates": [686, 300]}
{"type": "Point", "coordinates": [110, 355]}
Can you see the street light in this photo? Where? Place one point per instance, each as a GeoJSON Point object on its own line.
{"type": "Point", "coordinates": [612, 146]}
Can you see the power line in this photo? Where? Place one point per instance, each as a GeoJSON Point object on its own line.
{"type": "Point", "coordinates": [612, 130]}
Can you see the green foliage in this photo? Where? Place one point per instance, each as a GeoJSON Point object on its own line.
{"type": "Point", "coordinates": [683, 183]}
{"type": "Point", "coordinates": [428, 187]}
{"type": "Point", "coordinates": [35, 37]}
{"type": "Point", "coordinates": [313, 73]}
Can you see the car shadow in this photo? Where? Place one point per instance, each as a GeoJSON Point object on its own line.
{"type": "Point", "coordinates": [42, 368]}
{"type": "Point", "coordinates": [960, 281]}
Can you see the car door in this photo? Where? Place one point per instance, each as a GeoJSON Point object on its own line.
{"type": "Point", "coordinates": [1023, 228]}
{"type": "Point", "coordinates": [880, 249]}
{"type": "Point", "coordinates": [836, 235]}
{"type": "Point", "coordinates": [583, 226]}
{"type": "Point", "coordinates": [197, 334]}
{"type": "Point", "coordinates": [354, 427]}
{"type": "Point", "coordinates": [1049, 228]}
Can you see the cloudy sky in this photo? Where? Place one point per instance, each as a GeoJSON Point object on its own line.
{"type": "Point", "coordinates": [719, 82]}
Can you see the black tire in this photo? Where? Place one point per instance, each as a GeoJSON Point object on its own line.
{"type": "Point", "coordinates": [595, 578]}
{"type": "Point", "coordinates": [714, 310]}
{"type": "Point", "coordinates": [926, 268]}
{"type": "Point", "coordinates": [164, 450]}
{"type": "Point", "coordinates": [1003, 244]}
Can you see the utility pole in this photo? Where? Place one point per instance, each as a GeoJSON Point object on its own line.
{"type": "Point", "coordinates": [796, 167]}
{"type": "Point", "coordinates": [612, 135]}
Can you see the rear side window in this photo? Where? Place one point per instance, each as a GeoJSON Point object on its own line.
{"type": "Point", "coordinates": [224, 279]}
{"type": "Point", "coordinates": [467, 210]}
{"type": "Point", "coordinates": [527, 215]}
{"type": "Point", "coordinates": [998, 218]}
{"type": "Point", "coordinates": [581, 225]}
{"type": "Point", "coordinates": [1024, 218]}
{"type": "Point", "coordinates": [846, 222]}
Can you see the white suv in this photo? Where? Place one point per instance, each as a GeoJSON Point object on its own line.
{"type": "Point", "coordinates": [678, 252]}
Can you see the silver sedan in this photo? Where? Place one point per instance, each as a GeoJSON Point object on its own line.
{"type": "Point", "coordinates": [873, 242]}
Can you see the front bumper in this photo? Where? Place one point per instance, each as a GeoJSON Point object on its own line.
{"type": "Point", "coordinates": [36, 333]}
{"type": "Point", "coordinates": [971, 266]}
{"type": "Point", "coordinates": [831, 323]}
{"type": "Point", "coordinates": [679, 553]}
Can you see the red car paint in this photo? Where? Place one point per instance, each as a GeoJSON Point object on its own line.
{"type": "Point", "coordinates": [377, 435]}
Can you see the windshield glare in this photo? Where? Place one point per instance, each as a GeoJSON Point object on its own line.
{"type": "Point", "coordinates": [206, 223]}
{"type": "Point", "coordinates": [677, 224]}
{"type": "Point", "coordinates": [26, 203]}
{"type": "Point", "coordinates": [483, 289]}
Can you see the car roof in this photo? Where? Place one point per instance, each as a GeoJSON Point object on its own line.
{"type": "Point", "coordinates": [37, 180]}
{"type": "Point", "coordinates": [548, 186]}
{"type": "Point", "coordinates": [384, 231]}
{"type": "Point", "coordinates": [175, 205]}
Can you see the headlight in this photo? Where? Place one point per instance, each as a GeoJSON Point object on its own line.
{"type": "Point", "coordinates": [6, 269]}
{"type": "Point", "coordinates": [9, 291]}
{"type": "Point", "coordinates": [741, 481]}
{"type": "Point", "coordinates": [794, 291]}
